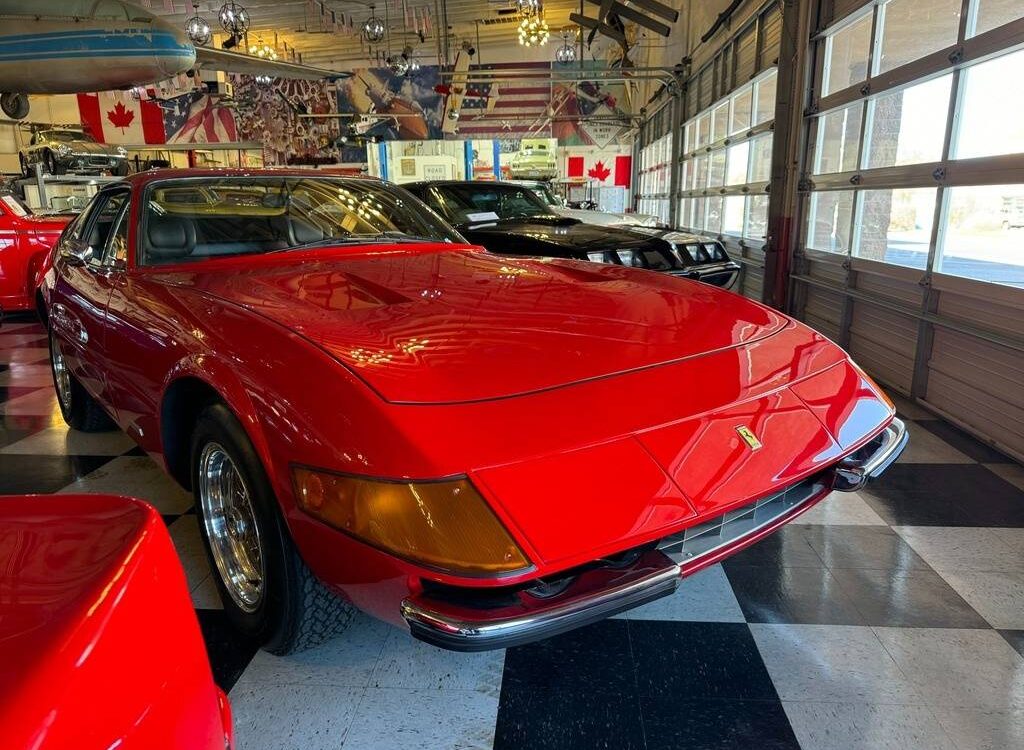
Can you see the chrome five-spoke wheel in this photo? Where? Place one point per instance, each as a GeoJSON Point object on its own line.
{"type": "Point", "coordinates": [231, 527]}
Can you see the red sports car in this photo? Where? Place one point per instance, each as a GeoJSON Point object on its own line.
{"type": "Point", "coordinates": [25, 241]}
{"type": "Point", "coordinates": [488, 450]}
{"type": "Point", "coordinates": [91, 595]}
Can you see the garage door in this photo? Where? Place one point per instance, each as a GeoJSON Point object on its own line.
{"type": "Point", "coordinates": [912, 251]}
{"type": "Point", "coordinates": [727, 144]}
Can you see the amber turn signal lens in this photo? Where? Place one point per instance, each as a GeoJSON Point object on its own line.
{"type": "Point", "coordinates": [443, 525]}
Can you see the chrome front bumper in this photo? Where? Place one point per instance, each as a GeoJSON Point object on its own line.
{"type": "Point", "coordinates": [854, 471]}
{"type": "Point", "coordinates": [601, 592]}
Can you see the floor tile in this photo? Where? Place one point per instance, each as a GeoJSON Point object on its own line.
{"type": "Point", "coordinates": [42, 401]}
{"type": "Point", "coordinates": [61, 440]}
{"type": "Point", "coordinates": [840, 509]}
{"type": "Point", "coordinates": [833, 664]}
{"type": "Point", "coordinates": [791, 595]}
{"type": "Point", "coordinates": [437, 719]}
{"type": "Point", "coordinates": [962, 441]}
{"type": "Point", "coordinates": [26, 376]}
{"type": "Point", "coordinates": [909, 599]}
{"type": "Point", "coordinates": [44, 474]}
{"type": "Point", "coordinates": [345, 661]}
{"type": "Point", "coordinates": [787, 547]}
{"type": "Point", "coordinates": [9, 436]}
{"type": "Point", "coordinates": [871, 547]}
{"type": "Point", "coordinates": [1012, 473]}
{"type": "Point", "coordinates": [189, 546]}
{"type": "Point", "coordinates": [8, 392]}
{"type": "Point", "coordinates": [963, 549]}
{"type": "Point", "coordinates": [22, 339]}
{"type": "Point", "coordinates": [1015, 638]}
{"type": "Point", "coordinates": [862, 726]}
{"type": "Point", "coordinates": [293, 717]}
{"type": "Point", "coordinates": [408, 663]}
{"type": "Point", "coordinates": [578, 719]}
{"type": "Point", "coordinates": [966, 668]}
{"type": "Point", "coordinates": [137, 477]}
{"type": "Point", "coordinates": [997, 596]}
{"type": "Point", "coordinates": [938, 495]}
{"type": "Point", "coordinates": [980, 729]}
{"type": "Point", "coordinates": [718, 661]}
{"type": "Point", "coordinates": [205, 594]}
{"type": "Point", "coordinates": [24, 354]}
{"type": "Point", "coordinates": [926, 447]}
{"type": "Point", "coordinates": [598, 655]}
{"type": "Point", "coordinates": [705, 596]}
{"type": "Point", "coordinates": [229, 651]}
{"type": "Point", "coordinates": [673, 723]}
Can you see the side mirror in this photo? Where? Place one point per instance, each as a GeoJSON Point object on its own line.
{"type": "Point", "coordinates": [77, 253]}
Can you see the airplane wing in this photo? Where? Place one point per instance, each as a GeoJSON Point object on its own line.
{"type": "Point", "coordinates": [208, 58]}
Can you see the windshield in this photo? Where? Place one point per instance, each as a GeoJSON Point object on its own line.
{"type": "Point", "coordinates": [473, 204]}
{"type": "Point", "coordinates": [66, 136]}
{"type": "Point", "coordinates": [545, 194]}
{"type": "Point", "coordinates": [197, 218]}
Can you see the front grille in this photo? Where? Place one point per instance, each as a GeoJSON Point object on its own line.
{"type": "Point", "coordinates": [697, 541]}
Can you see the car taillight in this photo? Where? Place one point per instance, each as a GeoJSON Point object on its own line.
{"type": "Point", "coordinates": [444, 525]}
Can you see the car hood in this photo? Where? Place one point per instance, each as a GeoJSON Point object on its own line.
{"type": "Point", "coordinates": [91, 147]}
{"type": "Point", "coordinates": [422, 324]}
{"type": "Point", "coordinates": [606, 218]}
{"type": "Point", "coordinates": [570, 236]}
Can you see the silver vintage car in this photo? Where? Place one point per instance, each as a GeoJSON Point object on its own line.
{"type": "Point", "coordinates": [63, 150]}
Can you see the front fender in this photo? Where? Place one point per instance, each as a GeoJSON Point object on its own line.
{"type": "Point", "coordinates": [224, 380]}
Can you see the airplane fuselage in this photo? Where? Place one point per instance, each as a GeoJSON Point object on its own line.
{"type": "Point", "coordinates": [45, 48]}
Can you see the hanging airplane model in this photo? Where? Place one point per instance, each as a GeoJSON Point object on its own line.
{"type": "Point", "coordinates": [79, 46]}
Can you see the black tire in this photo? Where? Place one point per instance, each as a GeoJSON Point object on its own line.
{"type": "Point", "coordinates": [52, 165]}
{"type": "Point", "coordinates": [295, 611]}
{"type": "Point", "coordinates": [80, 410]}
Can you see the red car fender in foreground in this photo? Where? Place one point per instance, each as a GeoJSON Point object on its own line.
{"type": "Point", "coordinates": [25, 243]}
{"type": "Point", "coordinates": [99, 643]}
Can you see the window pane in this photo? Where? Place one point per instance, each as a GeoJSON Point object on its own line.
{"type": "Point", "coordinates": [761, 159]}
{"type": "Point", "coordinates": [846, 61]}
{"type": "Point", "coordinates": [713, 218]}
{"type": "Point", "coordinates": [737, 170]}
{"type": "Point", "coordinates": [757, 217]}
{"type": "Point", "coordinates": [984, 237]}
{"type": "Point", "coordinates": [829, 220]}
{"type": "Point", "coordinates": [838, 140]}
{"type": "Point", "coordinates": [896, 226]}
{"type": "Point", "coordinates": [688, 138]}
{"type": "Point", "coordinates": [717, 176]}
{"type": "Point", "coordinates": [684, 174]}
{"type": "Point", "coordinates": [699, 209]}
{"type": "Point", "coordinates": [733, 215]}
{"type": "Point", "coordinates": [993, 13]}
{"type": "Point", "coordinates": [742, 106]}
{"type": "Point", "coordinates": [685, 207]}
{"type": "Point", "coordinates": [703, 130]}
{"type": "Point", "coordinates": [720, 122]}
{"type": "Point", "coordinates": [700, 172]}
{"type": "Point", "coordinates": [912, 29]}
{"type": "Point", "coordinates": [908, 126]}
{"type": "Point", "coordinates": [764, 110]}
{"type": "Point", "coordinates": [991, 118]}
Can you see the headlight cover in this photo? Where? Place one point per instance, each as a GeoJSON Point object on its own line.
{"type": "Point", "coordinates": [122, 151]}
{"type": "Point", "coordinates": [62, 149]}
{"type": "Point", "coordinates": [444, 525]}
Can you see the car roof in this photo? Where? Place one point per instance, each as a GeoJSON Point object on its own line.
{"type": "Point", "coordinates": [425, 183]}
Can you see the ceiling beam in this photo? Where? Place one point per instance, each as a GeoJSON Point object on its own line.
{"type": "Point", "coordinates": [636, 17]}
{"type": "Point", "coordinates": [598, 26]}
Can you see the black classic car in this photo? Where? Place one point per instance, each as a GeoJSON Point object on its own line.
{"type": "Point", "coordinates": [510, 219]}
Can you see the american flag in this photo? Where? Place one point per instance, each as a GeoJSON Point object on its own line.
{"type": "Point", "coordinates": [520, 107]}
{"type": "Point", "coordinates": [196, 118]}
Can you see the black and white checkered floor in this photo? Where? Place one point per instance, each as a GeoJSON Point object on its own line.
{"type": "Point", "coordinates": [892, 618]}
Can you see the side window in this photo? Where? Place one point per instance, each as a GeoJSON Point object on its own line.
{"type": "Point", "coordinates": [116, 251]}
{"type": "Point", "coordinates": [101, 224]}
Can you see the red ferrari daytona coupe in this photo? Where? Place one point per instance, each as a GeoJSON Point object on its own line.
{"type": "Point", "coordinates": [486, 450]}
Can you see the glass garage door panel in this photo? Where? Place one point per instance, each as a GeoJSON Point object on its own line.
{"type": "Point", "coordinates": [911, 29]}
{"type": "Point", "coordinates": [992, 118]}
{"type": "Point", "coordinates": [908, 126]}
{"type": "Point", "coordinates": [895, 226]}
{"type": "Point", "coordinates": [846, 58]}
{"type": "Point", "coordinates": [984, 234]}
{"type": "Point", "coordinates": [995, 13]}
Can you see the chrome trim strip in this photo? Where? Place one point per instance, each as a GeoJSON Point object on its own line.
{"type": "Point", "coordinates": [852, 473]}
{"type": "Point", "coordinates": [460, 634]}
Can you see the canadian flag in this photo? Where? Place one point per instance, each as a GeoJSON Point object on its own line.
{"type": "Point", "coordinates": [111, 117]}
{"type": "Point", "coordinates": [600, 166]}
